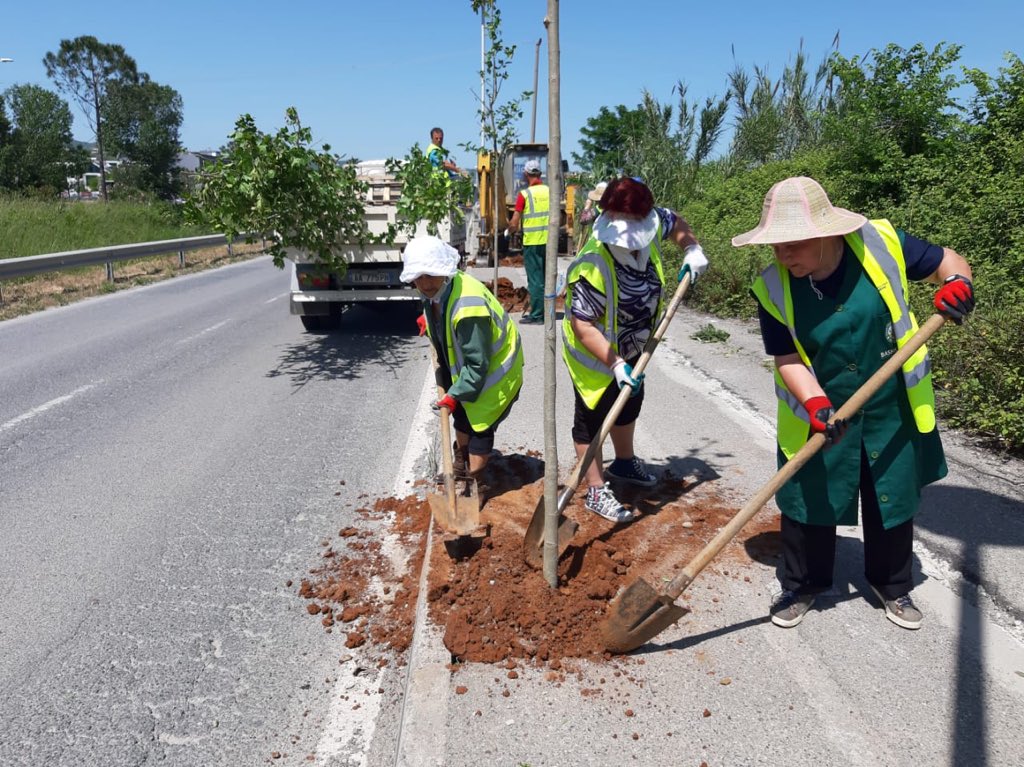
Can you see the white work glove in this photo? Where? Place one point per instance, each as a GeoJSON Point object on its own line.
{"type": "Point", "coordinates": [695, 262]}
{"type": "Point", "coordinates": [506, 234]}
{"type": "Point", "coordinates": [624, 376]}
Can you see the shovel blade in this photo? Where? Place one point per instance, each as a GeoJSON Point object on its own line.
{"type": "Point", "coordinates": [636, 615]}
{"type": "Point", "coordinates": [533, 544]}
{"type": "Point", "coordinates": [464, 518]}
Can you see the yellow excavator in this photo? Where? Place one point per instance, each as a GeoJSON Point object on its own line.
{"type": "Point", "coordinates": [510, 182]}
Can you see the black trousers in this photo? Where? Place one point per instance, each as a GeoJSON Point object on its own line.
{"type": "Point", "coordinates": [809, 551]}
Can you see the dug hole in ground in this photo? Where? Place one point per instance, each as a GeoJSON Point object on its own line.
{"type": "Point", "coordinates": [492, 611]}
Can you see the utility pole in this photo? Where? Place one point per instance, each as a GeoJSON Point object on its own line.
{"type": "Point", "coordinates": [555, 184]}
{"type": "Point", "coordinates": [536, 67]}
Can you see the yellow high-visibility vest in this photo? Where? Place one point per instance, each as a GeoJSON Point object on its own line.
{"type": "Point", "coordinates": [595, 263]}
{"type": "Point", "coordinates": [535, 214]}
{"type": "Point", "coordinates": [469, 298]}
{"type": "Point", "coordinates": [877, 247]}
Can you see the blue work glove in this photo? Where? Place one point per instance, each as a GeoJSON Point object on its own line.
{"type": "Point", "coordinates": [624, 376]}
{"type": "Point", "coordinates": [694, 262]}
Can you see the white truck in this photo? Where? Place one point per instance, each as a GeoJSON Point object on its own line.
{"type": "Point", "coordinates": [319, 298]}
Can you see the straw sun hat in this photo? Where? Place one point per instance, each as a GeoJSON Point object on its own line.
{"type": "Point", "coordinates": [798, 209]}
{"type": "Point", "coordinates": [594, 195]}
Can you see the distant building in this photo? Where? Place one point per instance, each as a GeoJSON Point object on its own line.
{"type": "Point", "coordinates": [193, 162]}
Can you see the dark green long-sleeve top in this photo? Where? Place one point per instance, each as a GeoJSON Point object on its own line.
{"type": "Point", "coordinates": [473, 335]}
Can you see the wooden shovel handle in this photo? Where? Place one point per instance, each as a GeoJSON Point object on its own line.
{"type": "Point", "coordinates": [813, 445]}
{"type": "Point", "coordinates": [620, 402]}
{"type": "Point", "coordinates": [447, 470]}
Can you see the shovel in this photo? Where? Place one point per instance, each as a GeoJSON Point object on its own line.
{"type": "Point", "coordinates": [639, 612]}
{"type": "Point", "coordinates": [457, 511]}
{"type": "Point", "coordinates": [533, 546]}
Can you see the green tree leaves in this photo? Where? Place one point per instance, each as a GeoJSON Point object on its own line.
{"type": "Point", "coordinates": [278, 186]}
{"type": "Point", "coordinates": [142, 121]}
{"type": "Point", "coordinates": [39, 152]}
{"type": "Point", "coordinates": [84, 68]}
{"type": "Point", "coordinates": [429, 195]}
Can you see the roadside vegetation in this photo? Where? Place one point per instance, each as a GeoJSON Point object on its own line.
{"type": "Point", "coordinates": [32, 227]}
{"type": "Point", "coordinates": [903, 134]}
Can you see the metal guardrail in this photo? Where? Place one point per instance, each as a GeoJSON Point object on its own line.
{"type": "Point", "coordinates": [53, 262]}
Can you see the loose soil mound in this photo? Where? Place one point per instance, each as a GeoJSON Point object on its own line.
{"type": "Point", "coordinates": [492, 606]}
{"type": "Point", "coordinates": [517, 299]}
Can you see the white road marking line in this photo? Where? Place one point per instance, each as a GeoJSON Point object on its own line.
{"type": "Point", "coordinates": [46, 406]}
{"type": "Point", "coordinates": [204, 332]}
{"type": "Point", "coordinates": [275, 298]}
{"type": "Point", "coordinates": [348, 732]}
{"type": "Point", "coordinates": [422, 738]}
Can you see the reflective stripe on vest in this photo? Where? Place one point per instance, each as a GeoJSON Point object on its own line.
{"type": "Point", "coordinates": [590, 375]}
{"type": "Point", "coordinates": [469, 298]}
{"type": "Point", "coordinates": [877, 247]}
{"type": "Point", "coordinates": [535, 214]}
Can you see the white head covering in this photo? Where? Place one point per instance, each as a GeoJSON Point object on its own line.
{"type": "Point", "coordinates": [428, 255]}
{"type": "Point", "coordinates": [628, 233]}
{"type": "Point", "coordinates": [531, 168]}
{"type": "Point", "coordinates": [595, 194]}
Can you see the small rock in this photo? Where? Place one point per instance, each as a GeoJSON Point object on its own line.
{"type": "Point", "coordinates": [706, 713]}
{"type": "Point", "coordinates": [725, 680]}
{"type": "Point", "coordinates": [636, 736]}
{"type": "Point", "coordinates": [629, 712]}
{"type": "Point", "coordinates": [461, 690]}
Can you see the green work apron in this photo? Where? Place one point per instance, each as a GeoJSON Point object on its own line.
{"type": "Point", "coordinates": [847, 339]}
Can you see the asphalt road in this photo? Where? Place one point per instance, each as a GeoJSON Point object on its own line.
{"type": "Point", "coordinates": [171, 456]}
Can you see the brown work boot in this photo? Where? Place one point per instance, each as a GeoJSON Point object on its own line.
{"type": "Point", "coordinates": [460, 461]}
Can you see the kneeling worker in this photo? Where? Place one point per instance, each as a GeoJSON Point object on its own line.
{"type": "Point", "coordinates": [479, 352]}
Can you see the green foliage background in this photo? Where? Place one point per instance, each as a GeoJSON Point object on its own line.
{"type": "Point", "coordinates": [34, 227]}
{"type": "Point", "coordinates": [890, 135]}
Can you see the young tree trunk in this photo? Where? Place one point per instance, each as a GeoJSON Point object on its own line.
{"type": "Point", "coordinates": [550, 274]}
{"type": "Point", "coordinates": [99, 140]}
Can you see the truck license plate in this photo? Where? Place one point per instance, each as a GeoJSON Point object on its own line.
{"type": "Point", "coordinates": [364, 277]}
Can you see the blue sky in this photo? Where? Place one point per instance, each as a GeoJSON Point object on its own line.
{"type": "Point", "coordinates": [371, 78]}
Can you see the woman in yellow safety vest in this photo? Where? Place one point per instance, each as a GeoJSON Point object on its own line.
{"type": "Point", "coordinates": [833, 307]}
{"type": "Point", "coordinates": [479, 352]}
{"type": "Point", "coordinates": [614, 299]}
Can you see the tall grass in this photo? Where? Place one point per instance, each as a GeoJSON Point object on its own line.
{"type": "Point", "coordinates": [32, 227]}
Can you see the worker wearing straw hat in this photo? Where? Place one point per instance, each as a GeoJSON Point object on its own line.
{"type": "Point", "coordinates": [833, 306]}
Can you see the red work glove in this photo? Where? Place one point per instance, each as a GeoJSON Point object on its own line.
{"type": "Point", "coordinates": [447, 401]}
{"type": "Point", "coordinates": [955, 298]}
{"type": "Point", "coordinates": [820, 410]}
{"type": "Point", "coordinates": [421, 323]}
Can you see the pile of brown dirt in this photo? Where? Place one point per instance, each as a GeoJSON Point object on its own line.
{"type": "Point", "coordinates": [493, 606]}
{"type": "Point", "coordinates": [517, 299]}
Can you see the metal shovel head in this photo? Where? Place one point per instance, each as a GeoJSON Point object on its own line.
{"type": "Point", "coordinates": [636, 615]}
{"type": "Point", "coordinates": [533, 545]}
{"type": "Point", "coordinates": [464, 518]}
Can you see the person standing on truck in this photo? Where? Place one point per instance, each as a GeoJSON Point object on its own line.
{"type": "Point", "coordinates": [614, 300]}
{"type": "Point", "coordinates": [479, 351]}
{"type": "Point", "coordinates": [532, 210]}
{"type": "Point", "coordinates": [438, 155]}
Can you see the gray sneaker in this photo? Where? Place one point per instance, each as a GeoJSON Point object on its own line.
{"type": "Point", "coordinates": [602, 501]}
{"type": "Point", "coordinates": [900, 610]}
{"type": "Point", "coordinates": [790, 608]}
